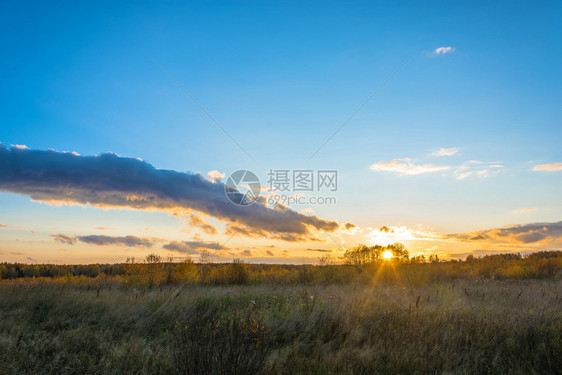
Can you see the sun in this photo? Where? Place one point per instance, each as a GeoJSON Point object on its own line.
{"type": "Point", "coordinates": [387, 254]}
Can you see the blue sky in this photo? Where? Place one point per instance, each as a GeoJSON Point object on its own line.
{"type": "Point", "coordinates": [281, 78]}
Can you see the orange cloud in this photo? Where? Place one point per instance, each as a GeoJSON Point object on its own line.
{"type": "Point", "coordinates": [199, 222]}
{"type": "Point", "coordinates": [526, 210]}
{"type": "Point", "coordinates": [216, 175]}
{"type": "Point", "coordinates": [548, 167]}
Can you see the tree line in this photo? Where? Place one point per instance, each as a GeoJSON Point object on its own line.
{"type": "Point", "coordinates": [359, 263]}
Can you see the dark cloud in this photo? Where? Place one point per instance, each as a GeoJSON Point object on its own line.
{"type": "Point", "coordinates": [193, 247]}
{"type": "Point", "coordinates": [349, 226]}
{"type": "Point", "coordinates": [386, 229]}
{"type": "Point", "coordinates": [108, 180]}
{"type": "Point", "coordinates": [130, 241]}
{"type": "Point", "coordinates": [235, 230]}
{"type": "Point", "coordinates": [63, 238]}
{"type": "Point", "coordinates": [320, 250]}
{"type": "Point", "coordinates": [269, 253]}
{"type": "Point", "coordinates": [520, 234]}
{"type": "Point", "coordinates": [246, 253]}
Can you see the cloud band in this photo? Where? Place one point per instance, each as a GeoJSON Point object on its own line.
{"type": "Point", "coordinates": [108, 180]}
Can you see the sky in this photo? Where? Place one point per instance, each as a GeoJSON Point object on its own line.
{"type": "Point", "coordinates": [121, 123]}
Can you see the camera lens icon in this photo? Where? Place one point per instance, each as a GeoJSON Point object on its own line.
{"type": "Point", "coordinates": [242, 187]}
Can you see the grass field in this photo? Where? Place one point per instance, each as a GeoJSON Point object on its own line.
{"type": "Point", "coordinates": [101, 327]}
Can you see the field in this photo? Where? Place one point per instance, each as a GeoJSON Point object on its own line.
{"type": "Point", "coordinates": [103, 326]}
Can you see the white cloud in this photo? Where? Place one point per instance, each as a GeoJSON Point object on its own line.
{"type": "Point", "coordinates": [548, 167]}
{"type": "Point", "coordinates": [445, 152]}
{"type": "Point", "coordinates": [443, 50]}
{"type": "Point", "coordinates": [477, 168]}
{"type": "Point", "coordinates": [216, 175]}
{"type": "Point", "coordinates": [483, 173]}
{"type": "Point", "coordinates": [462, 176]}
{"type": "Point", "coordinates": [405, 166]}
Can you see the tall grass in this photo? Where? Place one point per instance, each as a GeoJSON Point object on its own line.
{"type": "Point", "coordinates": [469, 326]}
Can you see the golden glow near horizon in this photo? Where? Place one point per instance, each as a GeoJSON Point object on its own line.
{"type": "Point", "coordinates": [387, 235]}
{"type": "Point", "coordinates": [387, 254]}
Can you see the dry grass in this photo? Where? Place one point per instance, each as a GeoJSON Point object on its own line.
{"type": "Point", "coordinates": [486, 327]}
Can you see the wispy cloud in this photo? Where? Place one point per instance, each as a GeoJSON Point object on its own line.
{"type": "Point", "coordinates": [101, 240]}
{"type": "Point", "coordinates": [445, 152]}
{"type": "Point", "coordinates": [111, 181]}
{"type": "Point", "coordinates": [192, 247]}
{"type": "Point", "coordinates": [405, 166]}
{"type": "Point", "coordinates": [196, 221]}
{"type": "Point", "coordinates": [443, 50]}
{"type": "Point", "coordinates": [63, 238]}
{"type": "Point", "coordinates": [526, 210]}
{"type": "Point", "coordinates": [129, 241]}
{"type": "Point", "coordinates": [548, 167]}
{"type": "Point", "coordinates": [319, 250]}
{"type": "Point", "coordinates": [463, 175]}
{"type": "Point", "coordinates": [476, 168]}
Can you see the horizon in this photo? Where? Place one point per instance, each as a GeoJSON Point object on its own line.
{"type": "Point", "coordinates": [340, 261]}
